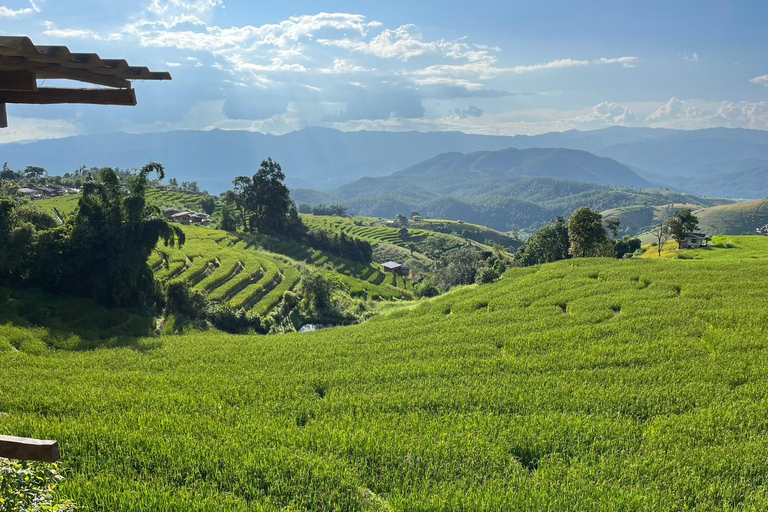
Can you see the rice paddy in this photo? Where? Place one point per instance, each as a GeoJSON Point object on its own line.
{"type": "Point", "coordinates": [593, 384]}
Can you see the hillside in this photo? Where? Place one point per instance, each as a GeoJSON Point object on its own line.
{"type": "Point", "coordinates": [734, 219]}
{"type": "Point", "coordinates": [501, 189]}
{"type": "Point", "coordinates": [750, 182]}
{"type": "Point", "coordinates": [328, 158]}
{"type": "Point", "coordinates": [581, 385]}
{"type": "Point", "coordinates": [638, 218]}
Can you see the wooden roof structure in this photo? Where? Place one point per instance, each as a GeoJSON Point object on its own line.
{"type": "Point", "coordinates": [22, 63]}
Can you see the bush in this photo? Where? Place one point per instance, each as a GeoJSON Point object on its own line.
{"type": "Point", "coordinates": [31, 487]}
{"type": "Point", "coordinates": [225, 318]}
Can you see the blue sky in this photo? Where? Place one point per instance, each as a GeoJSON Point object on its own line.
{"type": "Point", "coordinates": [492, 67]}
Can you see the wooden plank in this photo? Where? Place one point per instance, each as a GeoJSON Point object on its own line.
{"type": "Point", "coordinates": [50, 71]}
{"type": "Point", "coordinates": [17, 81]}
{"type": "Point", "coordinates": [51, 95]}
{"type": "Point", "coordinates": [3, 116]}
{"type": "Point", "coordinates": [24, 448]}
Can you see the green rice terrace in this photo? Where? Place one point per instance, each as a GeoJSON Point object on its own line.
{"type": "Point", "coordinates": [227, 268]}
{"type": "Point", "coordinates": [428, 237]}
{"type": "Point", "coordinates": [586, 384]}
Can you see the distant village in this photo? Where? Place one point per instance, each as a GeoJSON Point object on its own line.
{"type": "Point", "coordinates": [47, 191]}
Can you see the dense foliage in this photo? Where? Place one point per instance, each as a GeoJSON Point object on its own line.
{"type": "Point", "coordinates": [99, 251]}
{"type": "Point", "coordinates": [263, 202]}
{"type": "Point", "coordinates": [31, 487]}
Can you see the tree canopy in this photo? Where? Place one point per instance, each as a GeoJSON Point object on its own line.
{"type": "Point", "coordinates": [101, 250]}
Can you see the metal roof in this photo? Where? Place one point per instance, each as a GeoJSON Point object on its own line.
{"type": "Point", "coordinates": [391, 264]}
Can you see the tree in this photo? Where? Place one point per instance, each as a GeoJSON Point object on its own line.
{"type": "Point", "coordinates": [190, 186]}
{"type": "Point", "coordinates": [208, 204]}
{"type": "Point", "coordinates": [316, 289]}
{"type": "Point", "coordinates": [173, 183]}
{"type": "Point", "coordinates": [401, 219]}
{"type": "Point", "coordinates": [550, 243]}
{"type": "Point", "coordinates": [683, 223]}
{"type": "Point", "coordinates": [587, 233]}
{"type": "Point", "coordinates": [459, 267]}
{"type": "Point", "coordinates": [268, 198]}
{"type": "Point", "coordinates": [33, 173]}
{"type": "Point", "coordinates": [228, 222]}
{"type": "Point", "coordinates": [415, 214]}
{"type": "Point", "coordinates": [8, 174]}
{"type": "Point", "coordinates": [100, 251]}
{"type": "Point", "coordinates": [237, 198]}
{"type": "Point", "coordinates": [662, 233]}
{"type": "Point", "coordinates": [626, 246]}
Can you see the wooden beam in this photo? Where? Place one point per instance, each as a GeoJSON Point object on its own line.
{"type": "Point", "coordinates": [23, 448]}
{"type": "Point", "coordinates": [17, 81]}
{"type": "Point", "coordinates": [51, 71]}
{"type": "Point", "coordinates": [50, 95]}
{"type": "Point", "coordinates": [3, 116]}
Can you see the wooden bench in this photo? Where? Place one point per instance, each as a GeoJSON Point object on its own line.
{"type": "Point", "coordinates": [24, 448]}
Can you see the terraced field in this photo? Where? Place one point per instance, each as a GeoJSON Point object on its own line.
{"type": "Point", "coordinates": [226, 268]}
{"type": "Point", "coordinates": [586, 384]}
{"type": "Point", "coordinates": [371, 234]}
{"type": "Point", "coordinates": [162, 198]}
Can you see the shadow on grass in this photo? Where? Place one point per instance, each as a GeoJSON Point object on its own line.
{"type": "Point", "coordinates": [32, 320]}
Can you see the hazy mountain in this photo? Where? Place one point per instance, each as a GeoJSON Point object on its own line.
{"type": "Point", "coordinates": [742, 184]}
{"type": "Point", "coordinates": [324, 158]}
{"type": "Point", "coordinates": [501, 189]}
{"type": "Point", "coordinates": [313, 157]}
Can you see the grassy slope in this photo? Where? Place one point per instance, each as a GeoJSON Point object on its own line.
{"type": "Point", "coordinates": [581, 385]}
{"type": "Point", "coordinates": [734, 219]}
{"type": "Point", "coordinates": [641, 217]}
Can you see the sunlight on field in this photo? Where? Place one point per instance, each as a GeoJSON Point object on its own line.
{"type": "Point", "coordinates": [580, 385]}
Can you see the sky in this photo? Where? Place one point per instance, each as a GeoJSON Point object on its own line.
{"type": "Point", "coordinates": [486, 67]}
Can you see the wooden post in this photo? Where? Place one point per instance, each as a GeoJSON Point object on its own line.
{"type": "Point", "coordinates": [3, 116]}
{"type": "Point", "coordinates": [23, 448]}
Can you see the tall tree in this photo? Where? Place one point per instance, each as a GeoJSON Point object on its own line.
{"type": "Point", "coordinates": [550, 243]}
{"type": "Point", "coordinates": [268, 198]}
{"type": "Point", "coordinates": [208, 204]}
{"type": "Point", "coordinates": [683, 223]}
{"type": "Point", "coordinates": [587, 233]}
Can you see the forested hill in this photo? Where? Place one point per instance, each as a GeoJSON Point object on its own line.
{"type": "Point", "coordinates": [501, 189]}
{"type": "Point", "coordinates": [323, 159]}
{"type": "Point", "coordinates": [484, 171]}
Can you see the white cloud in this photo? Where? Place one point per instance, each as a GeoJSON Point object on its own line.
{"type": "Point", "coordinates": [626, 62]}
{"type": "Point", "coordinates": [173, 64]}
{"type": "Point", "coordinates": [677, 113]}
{"type": "Point", "coordinates": [7, 12]}
{"type": "Point", "coordinates": [28, 128]}
{"type": "Point", "coordinates": [691, 58]}
{"type": "Point", "coordinates": [341, 66]}
{"type": "Point", "coordinates": [72, 33]}
{"type": "Point", "coordinates": [555, 64]}
{"type": "Point", "coordinates": [607, 114]}
{"type": "Point", "coordinates": [760, 80]}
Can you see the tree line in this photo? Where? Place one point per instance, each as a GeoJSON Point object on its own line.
{"type": "Point", "coordinates": [100, 250]}
{"type": "Point", "coordinates": [262, 204]}
{"type": "Point", "coordinates": [585, 234]}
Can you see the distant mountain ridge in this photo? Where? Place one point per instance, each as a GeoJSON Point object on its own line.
{"type": "Point", "coordinates": [324, 158]}
{"type": "Point", "coordinates": [501, 189]}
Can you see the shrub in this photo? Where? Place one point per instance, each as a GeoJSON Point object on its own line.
{"type": "Point", "coordinates": [31, 487]}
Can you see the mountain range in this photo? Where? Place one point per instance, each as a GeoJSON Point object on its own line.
{"type": "Point", "coordinates": [320, 158]}
{"type": "Point", "coordinates": [502, 189]}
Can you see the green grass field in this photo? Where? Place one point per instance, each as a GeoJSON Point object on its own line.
{"type": "Point", "coordinates": [598, 384]}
